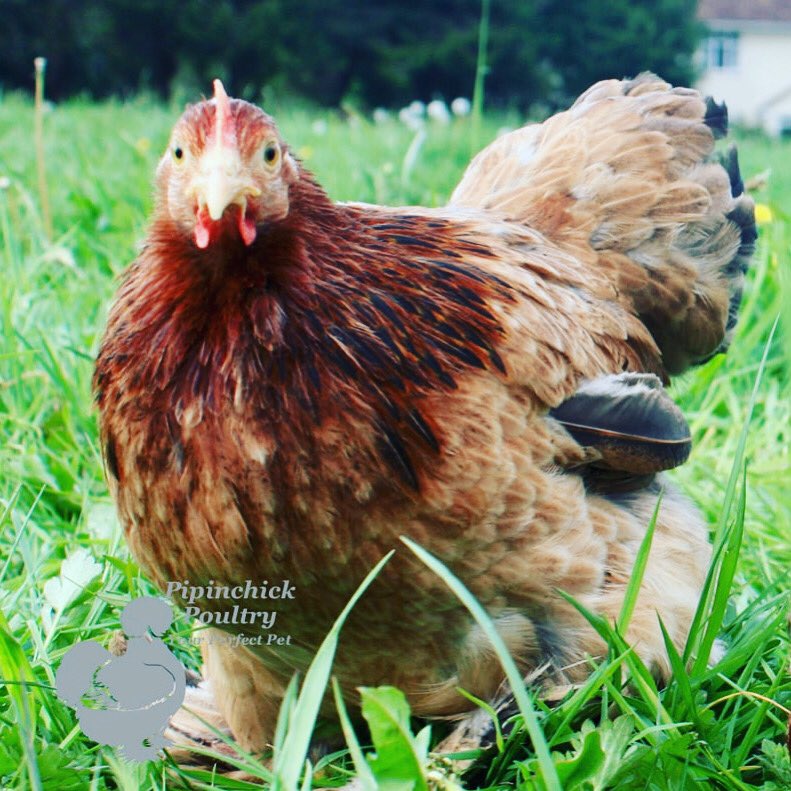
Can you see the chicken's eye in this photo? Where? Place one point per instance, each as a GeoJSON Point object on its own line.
{"type": "Point", "coordinates": [271, 153]}
{"type": "Point", "coordinates": [178, 153]}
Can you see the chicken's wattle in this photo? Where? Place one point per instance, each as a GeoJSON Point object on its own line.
{"type": "Point", "coordinates": [206, 228]}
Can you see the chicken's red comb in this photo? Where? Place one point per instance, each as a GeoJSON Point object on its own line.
{"type": "Point", "coordinates": [225, 130]}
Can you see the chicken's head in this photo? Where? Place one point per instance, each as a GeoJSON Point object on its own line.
{"type": "Point", "coordinates": [226, 171]}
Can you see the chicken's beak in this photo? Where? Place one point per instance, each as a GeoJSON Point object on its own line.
{"type": "Point", "coordinates": [220, 192]}
{"type": "Point", "coordinates": [220, 183]}
{"type": "Point", "coordinates": [223, 182]}
{"type": "Point", "coordinates": [221, 179]}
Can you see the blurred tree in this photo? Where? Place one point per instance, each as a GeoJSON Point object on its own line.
{"type": "Point", "coordinates": [383, 52]}
{"type": "Point", "coordinates": [586, 41]}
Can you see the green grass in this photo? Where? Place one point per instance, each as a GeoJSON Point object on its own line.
{"type": "Point", "coordinates": [719, 727]}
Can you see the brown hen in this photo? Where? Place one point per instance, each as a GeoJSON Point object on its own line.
{"type": "Point", "coordinates": [286, 385]}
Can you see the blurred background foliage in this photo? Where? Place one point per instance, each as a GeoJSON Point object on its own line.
{"type": "Point", "coordinates": [381, 53]}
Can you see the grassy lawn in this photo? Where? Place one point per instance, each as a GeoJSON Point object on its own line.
{"type": "Point", "coordinates": [721, 727]}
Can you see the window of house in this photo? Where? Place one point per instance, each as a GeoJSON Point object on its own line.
{"type": "Point", "coordinates": [721, 50]}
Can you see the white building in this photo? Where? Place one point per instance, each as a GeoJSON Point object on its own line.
{"type": "Point", "coordinates": [746, 60]}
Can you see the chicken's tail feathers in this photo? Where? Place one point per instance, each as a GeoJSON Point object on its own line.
{"type": "Point", "coordinates": [627, 181]}
{"type": "Point", "coordinates": [743, 216]}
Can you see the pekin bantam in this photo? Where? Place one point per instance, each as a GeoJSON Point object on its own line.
{"type": "Point", "coordinates": [287, 384]}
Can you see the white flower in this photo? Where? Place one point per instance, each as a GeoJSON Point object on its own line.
{"type": "Point", "coordinates": [417, 108]}
{"type": "Point", "coordinates": [101, 521]}
{"type": "Point", "coordinates": [76, 571]}
{"type": "Point", "coordinates": [381, 116]}
{"type": "Point", "coordinates": [438, 111]}
{"type": "Point", "coordinates": [409, 119]}
{"type": "Point", "coordinates": [460, 107]}
{"type": "Point", "coordinates": [319, 127]}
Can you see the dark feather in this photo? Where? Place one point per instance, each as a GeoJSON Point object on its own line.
{"type": "Point", "coordinates": [630, 420]}
{"type": "Point", "coordinates": [730, 161]}
{"type": "Point", "coordinates": [716, 118]}
{"type": "Point", "coordinates": [423, 429]}
{"type": "Point", "coordinates": [112, 458]}
{"type": "Point", "coordinates": [413, 241]}
{"type": "Point", "coordinates": [744, 216]}
{"type": "Point", "coordinates": [395, 454]}
{"type": "Point", "coordinates": [384, 306]}
{"type": "Point", "coordinates": [461, 353]}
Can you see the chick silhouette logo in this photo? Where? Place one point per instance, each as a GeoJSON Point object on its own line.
{"type": "Point", "coordinates": [126, 701]}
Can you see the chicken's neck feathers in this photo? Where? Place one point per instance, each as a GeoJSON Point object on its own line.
{"type": "Point", "coordinates": [335, 311]}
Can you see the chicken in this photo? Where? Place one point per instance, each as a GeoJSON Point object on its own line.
{"type": "Point", "coordinates": [286, 385]}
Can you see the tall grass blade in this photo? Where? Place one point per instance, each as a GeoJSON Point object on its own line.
{"type": "Point", "coordinates": [546, 766]}
{"type": "Point", "coordinates": [481, 69]}
{"type": "Point", "coordinates": [307, 777]}
{"type": "Point", "coordinates": [703, 609]}
{"type": "Point", "coordinates": [571, 707]}
{"type": "Point", "coordinates": [482, 704]}
{"type": "Point", "coordinates": [733, 478]}
{"type": "Point", "coordinates": [683, 686]}
{"type": "Point", "coordinates": [364, 776]}
{"type": "Point", "coordinates": [290, 760]}
{"type": "Point", "coordinates": [286, 712]}
{"type": "Point", "coordinates": [641, 677]}
{"type": "Point", "coordinates": [17, 676]}
{"type": "Point", "coordinates": [40, 65]}
{"type": "Point", "coordinates": [636, 579]}
{"type": "Point", "coordinates": [728, 560]}
{"type": "Point", "coordinates": [6, 516]}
